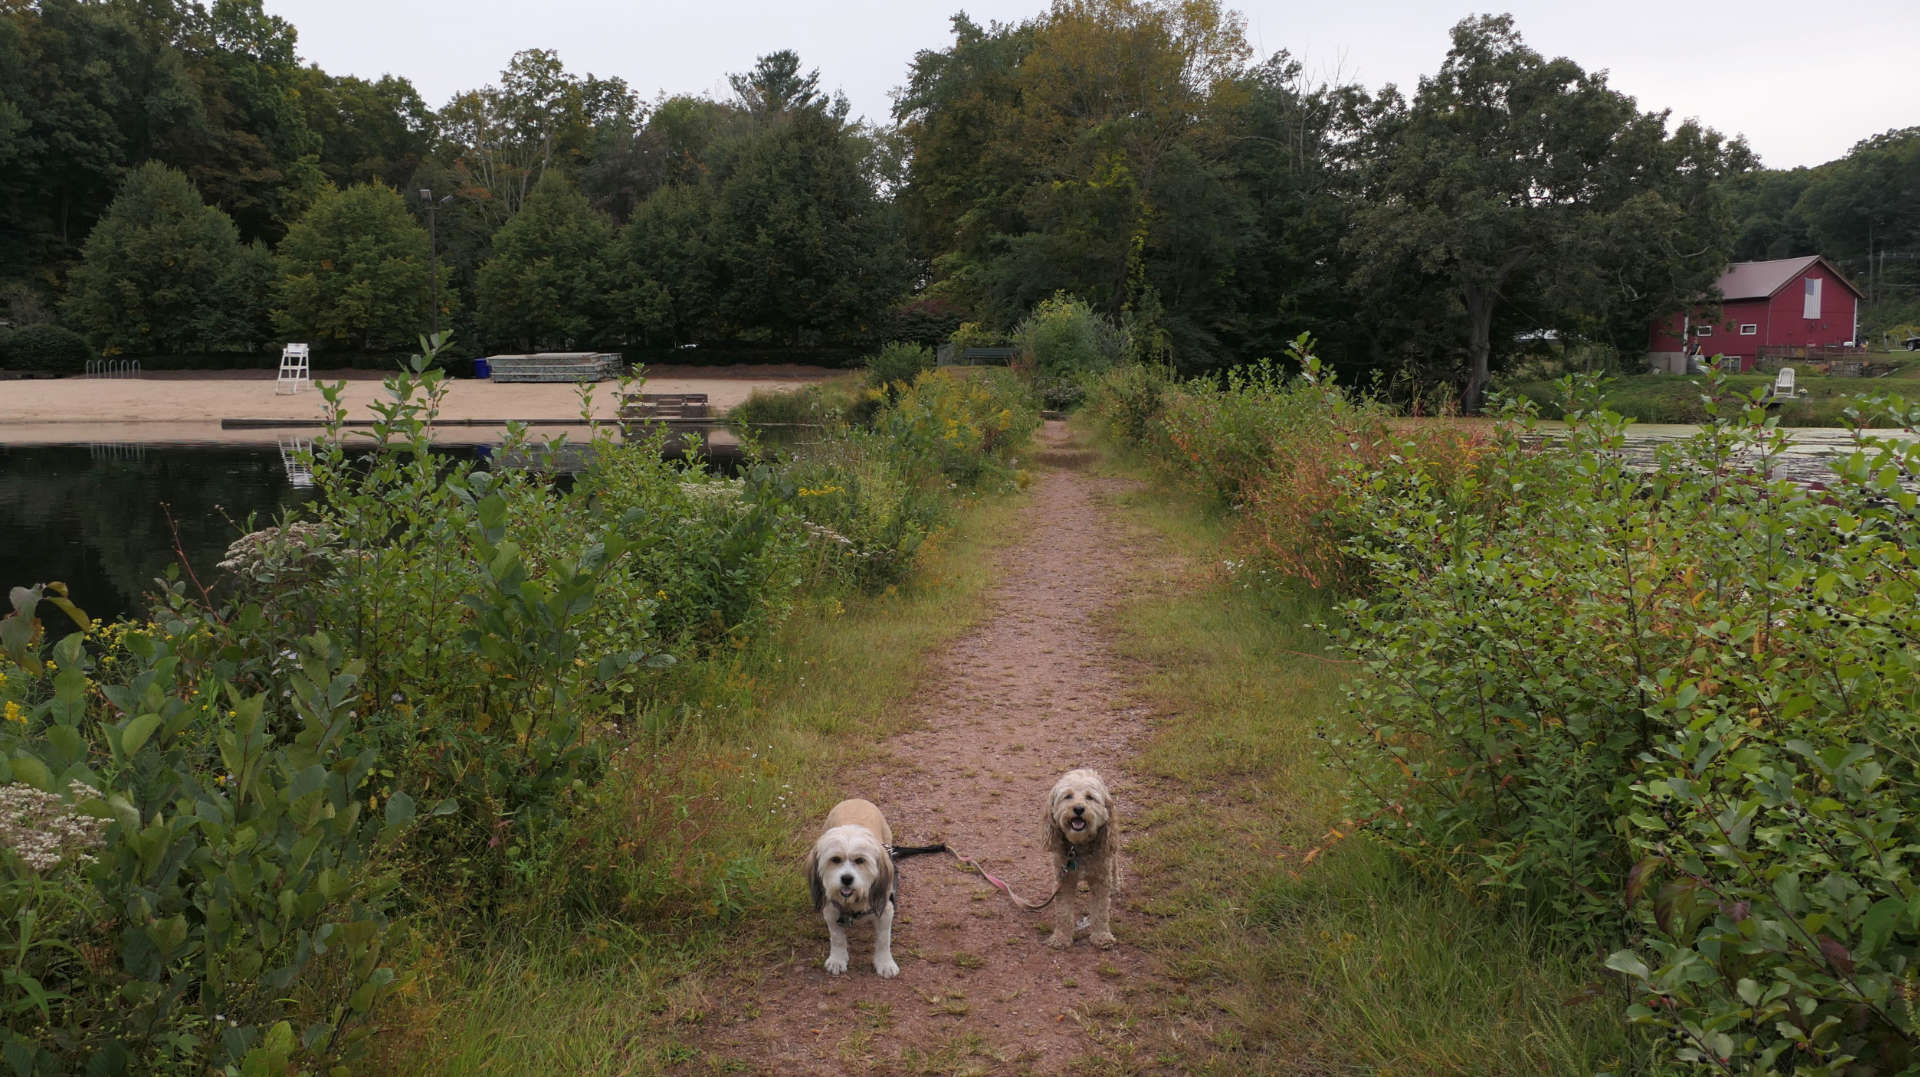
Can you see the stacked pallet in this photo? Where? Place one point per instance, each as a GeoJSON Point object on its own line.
{"type": "Point", "coordinates": [663, 406]}
{"type": "Point", "coordinates": [557, 366]}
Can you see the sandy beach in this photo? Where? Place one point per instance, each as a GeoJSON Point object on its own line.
{"type": "Point", "coordinates": [175, 407]}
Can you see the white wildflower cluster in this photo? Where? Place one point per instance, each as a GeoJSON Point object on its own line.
{"type": "Point", "coordinates": [820, 531]}
{"type": "Point", "coordinates": [43, 829]}
{"type": "Point", "coordinates": [267, 554]}
{"type": "Point", "coordinates": [714, 490]}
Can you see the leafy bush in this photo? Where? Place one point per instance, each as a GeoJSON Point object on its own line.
{"type": "Point", "coordinates": [1064, 337]}
{"type": "Point", "coordinates": [1225, 429]}
{"type": "Point", "coordinates": [233, 867]}
{"type": "Point", "coordinates": [870, 497]}
{"type": "Point", "coordinates": [1129, 403]}
{"type": "Point", "coordinates": [1774, 826]}
{"type": "Point", "coordinates": [898, 363]}
{"type": "Point", "coordinates": [975, 335]}
{"type": "Point", "coordinates": [1682, 684]}
{"type": "Point", "coordinates": [832, 404]}
{"type": "Point", "coordinates": [45, 348]}
{"type": "Point", "coordinates": [960, 424]}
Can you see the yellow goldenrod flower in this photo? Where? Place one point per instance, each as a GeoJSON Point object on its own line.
{"type": "Point", "coordinates": [15, 714]}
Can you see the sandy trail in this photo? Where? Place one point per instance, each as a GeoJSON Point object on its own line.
{"type": "Point", "coordinates": [1035, 691]}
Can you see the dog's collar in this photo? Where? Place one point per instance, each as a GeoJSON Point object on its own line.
{"type": "Point", "coordinates": [1082, 851]}
{"type": "Point", "coordinates": [847, 918]}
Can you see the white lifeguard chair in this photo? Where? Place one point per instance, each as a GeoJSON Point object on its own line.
{"type": "Point", "coordinates": [294, 374]}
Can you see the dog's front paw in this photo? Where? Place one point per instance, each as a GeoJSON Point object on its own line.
{"type": "Point", "coordinates": [1102, 939]}
{"type": "Point", "coordinates": [836, 964]}
{"type": "Point", "coordinates": [1060, 940]}
{"type": "Point", "coordinates": [884, 965]}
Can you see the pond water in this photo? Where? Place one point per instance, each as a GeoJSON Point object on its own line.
{"type": "Point", "coordinates": [96, 516]}
{"type": "Point", "coordinates": [103, 517]}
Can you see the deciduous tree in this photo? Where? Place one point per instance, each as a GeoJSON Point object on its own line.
{"type": "Point", "coordinates": [161, 273]}
{"type": "Point", "coordinates": [1519, 182]}
{"type": "Point", "coordinates": [550, 284]}
{"type": "Point", "coordinates": [502, 139]}
{"type": "Point", "coordinates": [353, 271]}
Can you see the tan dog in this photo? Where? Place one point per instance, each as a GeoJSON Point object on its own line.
{"type": "Point", "coordinates": [851, 874]}
{"type": "Point", "coordinates": [1085, 843]}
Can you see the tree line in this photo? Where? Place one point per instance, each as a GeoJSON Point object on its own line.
{"type": "Point", "coordinates": [1862, 211]}
{"type": "Point", "coordinates": [216, 194]}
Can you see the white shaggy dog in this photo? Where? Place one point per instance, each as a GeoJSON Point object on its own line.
{"type": "Point", "coordinates": [1084, 842]}
{"type": "Point", "coordinates": [851, 874]}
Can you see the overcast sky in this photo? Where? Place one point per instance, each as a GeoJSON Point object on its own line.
{"type": "Point", "coordinates": [1802, 80]}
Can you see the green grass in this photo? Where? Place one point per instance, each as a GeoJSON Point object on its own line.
{"type": "Point", "coordinates": [1346, 963]}
{"type": "Point", "coordinates": [725, 791]}
{"type": "Point", "coordinates": [1670, 398]}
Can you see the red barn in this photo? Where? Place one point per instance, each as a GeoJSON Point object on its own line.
{"type": "Point", "coordinates": [1781, 304]}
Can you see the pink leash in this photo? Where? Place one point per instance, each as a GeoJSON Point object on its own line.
{"type": "Point", "coordinates": [1001, 885]}
{"type": "Point", "coordinates": [901, 852]}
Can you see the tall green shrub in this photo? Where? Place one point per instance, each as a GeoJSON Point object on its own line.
{"type": "Point", "coordinates": [46, 348]}
{"type": "Point", "coordinates": [1065, 338]}
{"type": "Point", "coordinates": [898, 363]}
{"type": "Point", "coordinates": [1670, 704]}
{"type": "Point", "coordinates": [223, 836]}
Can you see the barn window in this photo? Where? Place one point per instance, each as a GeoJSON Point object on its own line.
{"type": "Point", "coordinates": [1749, 329]}
{"type": "Point", "coordinates": [1811, 308]}
{"type": "Point", "coordinates": [1703, 330]}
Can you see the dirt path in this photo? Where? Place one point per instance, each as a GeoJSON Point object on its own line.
{"type": "Point", "coordinates": [1032, 693]}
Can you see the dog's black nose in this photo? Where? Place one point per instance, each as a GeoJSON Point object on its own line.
{"type": "Point", "coordinates": [847, 879]}
{"type": "Point", "coordinates": [1079, 809]}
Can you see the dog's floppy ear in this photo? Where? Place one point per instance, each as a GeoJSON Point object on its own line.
{"type": "Point", "coordinates": [818, 891]}
{"type": "Point", "coordinates": [882, 881]}
{"type": "Point", "coordinates": [1051, 839]}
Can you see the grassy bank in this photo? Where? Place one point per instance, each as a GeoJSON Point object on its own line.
{"type": "Point", "coordinates": [1669, 398]}
{"type": "Point", "coordinates": [604, 995]}
{"type": "Point", "coordinates": [1290, 960]}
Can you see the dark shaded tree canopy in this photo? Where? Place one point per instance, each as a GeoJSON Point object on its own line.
{"type": "Point", "coordinates": [1134, 154]}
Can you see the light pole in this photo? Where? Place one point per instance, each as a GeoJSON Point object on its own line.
{"type": "Point", "coordinates": [433, 258]}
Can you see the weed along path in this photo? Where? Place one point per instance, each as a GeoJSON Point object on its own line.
{"type": "Point", "coordinates": [1034, 691]}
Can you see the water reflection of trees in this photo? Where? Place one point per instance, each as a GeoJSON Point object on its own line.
{"type": "Point", "coordinates": [95, 519]}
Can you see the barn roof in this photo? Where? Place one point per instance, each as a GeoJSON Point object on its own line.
{"type": "Point", "coordinates": [1761, 280]}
